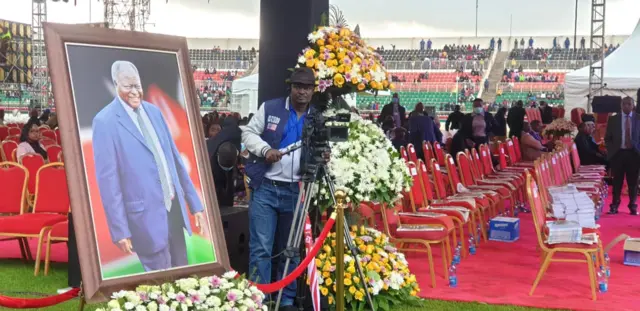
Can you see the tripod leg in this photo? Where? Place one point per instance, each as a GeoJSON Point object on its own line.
{"type": "Point", "coordinates": [297, 227]}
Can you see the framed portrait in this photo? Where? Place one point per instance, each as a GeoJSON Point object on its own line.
{"type": "Point", "coordinates": [140, 182]}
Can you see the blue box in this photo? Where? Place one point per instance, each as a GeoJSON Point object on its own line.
{"type": "Point", "coordinates": [504, 229]}
{"type": "Point", "coordinates": [632, 252]}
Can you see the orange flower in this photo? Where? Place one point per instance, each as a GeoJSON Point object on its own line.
{"type": "Point", "coordinates": [361, 86]}
{"type": "Point", "coordinates": [320, 42]}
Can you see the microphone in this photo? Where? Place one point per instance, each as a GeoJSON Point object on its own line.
{"type": "Point", "coordinates": [291, 148]}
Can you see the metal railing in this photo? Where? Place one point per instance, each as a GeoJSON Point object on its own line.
{"type": "Point", "coordinates": [434, 86]}
{"type": "Point", "coordinates": [435, 64]}
{"type": "Point", "coordinates": [210, 84]}
{"type": "Point", "coordinates": [525, 87]}
{"type": "Point", "coordinates": [550, 64]}
{"type": "Point", "coordinates": [222, 64]}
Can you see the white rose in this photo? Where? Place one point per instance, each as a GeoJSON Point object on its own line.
{"type": "Point", "coordinates": [153, 306]}
{"type": "Point", "coordinates": [113, 304]}
{"type": "Point", "coordinates": [141, 308]}
{"type": "Point", "coordinates": [129, 306]}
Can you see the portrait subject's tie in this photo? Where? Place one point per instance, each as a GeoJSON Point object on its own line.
{"type": "Point", "coordinates": [161, 172]}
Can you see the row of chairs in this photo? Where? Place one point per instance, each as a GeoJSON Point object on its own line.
{"type": "Point", "coordinates": [13, 133]}
{"type": "Point", "coordinates": [425, 218]}
{"type": "Point", "coordinates": [46, 219]}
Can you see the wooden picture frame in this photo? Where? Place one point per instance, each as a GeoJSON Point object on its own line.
{"type": "Point", "coordinates": [60, 39]}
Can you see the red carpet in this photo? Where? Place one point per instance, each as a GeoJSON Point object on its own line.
{"type": "Point", "coordinates": [503, 273]}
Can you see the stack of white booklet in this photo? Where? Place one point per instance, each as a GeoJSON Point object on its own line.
{"type": "Point", "coordinates": [574, 206]}
{"type": "Point", "coordinates": [562, 231]}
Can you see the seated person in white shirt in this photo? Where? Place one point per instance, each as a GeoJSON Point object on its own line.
{"type": "Point", "coordinates": [30, 142]}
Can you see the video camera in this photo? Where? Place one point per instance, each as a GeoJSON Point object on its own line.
{"type": "Point", "coordinates": [320, 129]}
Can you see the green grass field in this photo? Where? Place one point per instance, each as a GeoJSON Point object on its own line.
{"type": "Point", "coordinates": [17, 280]}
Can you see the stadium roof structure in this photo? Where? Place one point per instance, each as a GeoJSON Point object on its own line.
{"type": "Point", "coordinates": [621, 74]}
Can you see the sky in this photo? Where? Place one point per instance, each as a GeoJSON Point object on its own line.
{"type": "Point", "coordinates": [377, 18]}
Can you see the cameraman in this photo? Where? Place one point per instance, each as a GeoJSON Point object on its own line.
{"type": "Point", "coordinates": [274, 178]}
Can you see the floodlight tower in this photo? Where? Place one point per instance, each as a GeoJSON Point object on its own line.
{"type": "Point", "coordinates": [596, 69]}
{"type": "Point", "coordinates": [127, 14]}
{"type": "Point", "coordinates": [38, 55]}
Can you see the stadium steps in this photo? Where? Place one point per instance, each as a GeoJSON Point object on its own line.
{"type": "Point", "coordinates": [495, 75]}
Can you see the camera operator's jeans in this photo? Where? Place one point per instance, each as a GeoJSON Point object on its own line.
{"type": "Point", "coordinates": [270, 216]}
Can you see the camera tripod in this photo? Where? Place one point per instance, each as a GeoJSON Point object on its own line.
{"type": "Point", "coordinates": [305, 198]}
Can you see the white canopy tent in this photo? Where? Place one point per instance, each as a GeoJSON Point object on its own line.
{"type": "Point", "coordinates": [244, 95]}
{"type": "Point", "coordinates": [621, 74]}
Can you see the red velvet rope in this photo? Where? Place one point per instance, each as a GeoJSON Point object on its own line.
{"type": "Point", "coordinates": [276, 286]}
{"type": "Point", "coordinates": [28, 303]}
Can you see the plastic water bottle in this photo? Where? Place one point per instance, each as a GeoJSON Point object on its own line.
{"type": "Point", "coordinates": [607, 265]}
{"type": "Point", "coordinates": [453, 277]}
{"type": "Point", "coordinates": [603, 284]}
{"type": "Point", "coordinates": [456, 254]}
{"type": "Point", "coordinates": [472, 245]}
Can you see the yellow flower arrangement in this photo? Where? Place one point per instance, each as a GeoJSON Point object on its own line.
{"type": "Point", "coordinates": [342, 60]}
{"type": "Point", "coordinates": [386, 272]}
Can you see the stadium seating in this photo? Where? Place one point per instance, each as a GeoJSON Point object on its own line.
{"type": "Point", "coordinates": [411, 55]}
{"type": "Point", "coordinates": [554, 54]}
{"type": "Point", "coordinates": [410, 99]}
{"type": "Point", "coordinates": [514, 96]}
{"type": "Point", "coordinates": [211, 54]}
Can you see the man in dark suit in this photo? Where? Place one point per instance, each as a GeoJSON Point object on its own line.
{"type": "Point", "coordinates": [587, 148]}
{"type": "Point", "coordinates": [454, 119]}
{"type": "Point", "coordinates": [546, 113]}
{"type": "Point", "coordinates": [515, 119]}
{"type": "Point", "coordinates": [395, 110]}
{"type": "Point", "coordinates": [145, 187]}
{"type": "Point", "coordinates": [623, 152]}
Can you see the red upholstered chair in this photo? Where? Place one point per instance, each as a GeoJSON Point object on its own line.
{"type": "Point", "coordinates": [51, 205]}
{"type": "Point", "coordinates": [439, 153]}
{"type": "Point", "coordinates": [14, 131]}
{"type": "Point", "coordinates": [411, 151]}
{"type": "Point", "coordinates": [49, 235]}
{"type": "Point", "coordinates": [58, 140]}
{"type": "Point", "coordinates": [460, 215]}
{"type": "Point", "coordinates": [428, 151]}
{"type": "Point", "coordinates": [13, 182]}
{"type": "Point", "coordinates": [45, 142]}
{"type": "Point", "coordinates": [53, 153]}
{"type": "Point", "coordinates": [6, 152]}
{"type": "Point", "coordinates": [47, 133]}
{"type": "Point", "coordinates": [549, 250]}
{"type": "Point", "coordinates": [13, 138]}
{"type": "Point", "coordinates": [465, 170]}
{"type": "Point", "coordinates": [576, 115]}
{"type": "Point", "coordinates": [4, 132]}
{"type": "Point", "coordinates": [33, 162]}
{"type": "Point", "coordinates": [419, 229]}
{"type": "Point", "coordinates": [43, 128]}
{"type": "Point", "coordinates": [403, 153]}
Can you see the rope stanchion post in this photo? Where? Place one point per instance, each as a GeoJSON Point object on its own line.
{"type": "Point", "coordinates": [340, 197]}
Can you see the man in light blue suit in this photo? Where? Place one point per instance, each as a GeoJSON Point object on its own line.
{"type": "Point", "coordinates": [144, 185]}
